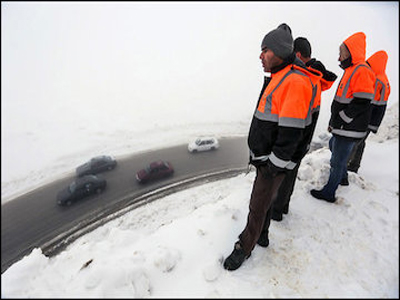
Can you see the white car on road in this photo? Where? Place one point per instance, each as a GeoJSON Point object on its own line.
{"type": "Point", "coordinates": [203, 144]}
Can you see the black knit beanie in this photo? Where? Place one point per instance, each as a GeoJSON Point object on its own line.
{"type": "Point", "coordinates": [280, 41]}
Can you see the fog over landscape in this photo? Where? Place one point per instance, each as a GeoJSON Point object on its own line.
{"type": "Point", "coordinates": [117, 78]}
{"type": "Point", "coordinates": [80, 79]}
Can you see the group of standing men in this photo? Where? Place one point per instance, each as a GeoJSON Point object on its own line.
{"type": "Point", "coordinates": [285, 118]}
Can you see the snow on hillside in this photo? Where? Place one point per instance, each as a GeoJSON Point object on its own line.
{"type": "Point", "coordinates": [173, 247]}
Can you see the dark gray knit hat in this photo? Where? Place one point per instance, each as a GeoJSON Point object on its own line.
{"type": "Point", "coordinates": [279, 40]}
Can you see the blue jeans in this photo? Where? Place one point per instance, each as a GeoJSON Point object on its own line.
{"type": "Point", "coordinates": [341, 149]}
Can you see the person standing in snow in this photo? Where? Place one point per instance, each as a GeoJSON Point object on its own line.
{"type": "Point", "coordinates": [378, 62]}
{"type": "Point", "coordinates": [302, 49]}
{"type": "Point", "coordinates": [277, 129]}
{"type": "Point", "coordinates": [350, 111]}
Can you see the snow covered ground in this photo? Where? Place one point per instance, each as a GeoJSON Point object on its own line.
{"type": "Point", "coordinates": [67, 97]}
{"type": "Point", "coordinates": [174, 247]}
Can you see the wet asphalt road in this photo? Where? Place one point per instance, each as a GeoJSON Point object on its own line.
{"type": "Point", "coordinates": [33, 219]}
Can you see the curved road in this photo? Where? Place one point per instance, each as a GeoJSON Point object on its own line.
{"type": "Point", "coordinates": [33, 219]}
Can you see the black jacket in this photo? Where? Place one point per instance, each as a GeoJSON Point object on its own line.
{"type": "Point", "coordinates": [317, 65]}
{"type": "Point", "coordinates": [350, 116]}
{"type": "Point", "coordinates": [377, 114]}
{"type": "Point", "coordinates": [309, 130]}
{"type": "Point", "coordinates": [266, 137]}
{"type": "Point", "coordinates": [304, 144]}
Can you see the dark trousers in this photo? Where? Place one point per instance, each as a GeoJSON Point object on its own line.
{"type": "Point", "coordinates": [341, 149]}
{"type": "Point", "coordinates": [285, 191]}
{"type": "Point", "coordinates": [260, 207]}
{"type": "Point", "coordinates": [354, 161]}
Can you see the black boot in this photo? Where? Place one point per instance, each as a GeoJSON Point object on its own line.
{"type": "Point", "coordinates": [344, 181]}
{"type": "Point", "coordinates": [286, 209]}
{"type": "Point", "coordinates": [263, 240]}
{"type": "Point", "coordinates": [276, 216]}
{"type": "Point", "coordinates": [236, 258]}
{"type": "Point", "coordinates": [319, 195]}
{"type": "Point", "coordinates": [352, 168]}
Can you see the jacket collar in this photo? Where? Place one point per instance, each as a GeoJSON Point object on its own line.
{"type": "Point", "coordinates": [287, 61]}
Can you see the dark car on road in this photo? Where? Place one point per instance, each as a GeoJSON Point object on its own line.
{"type": "Point", "coordinates": [96, 165]}
{"type": "Point", "coordinates": [80, 188]}
{"type": "Point", "coordinates": [155, 170]}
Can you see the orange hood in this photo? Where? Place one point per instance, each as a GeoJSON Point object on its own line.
{"type": "Point", "coordinates": [356, 44]}
{"type": "Point", "coordinates": [378, 61]}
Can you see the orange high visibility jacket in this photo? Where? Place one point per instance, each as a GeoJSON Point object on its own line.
{"type": "Point", "coordinates": [286, 99]}
{"type": "Point", "coordinates": [283, 112]}
{"type": "Point", "coordinates": [378, 63]}
{"type": "Point", "coordinates": [324, 86]}
{"type": "Point", "coordinates": [325, 83]}
{"type": "Point", "coordinates": [350, 109]}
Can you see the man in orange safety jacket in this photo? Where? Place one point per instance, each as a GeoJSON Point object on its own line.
{"type": "Point", "coordinates": [378, 63]}
{"type": "Point", "coordinates": [302, 49]}
{"type": "Point", "coordinates": [276, 133]}
{"type": "Point", "coordinates": [350, 111]}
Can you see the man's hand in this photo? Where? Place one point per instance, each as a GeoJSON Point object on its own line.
{"type": "Point", "coordinates": [269, 170]}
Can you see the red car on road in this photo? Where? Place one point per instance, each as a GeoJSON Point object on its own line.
{"type": "Point", "coordinates": [155, 170]}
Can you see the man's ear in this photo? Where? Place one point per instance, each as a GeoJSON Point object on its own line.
{"type": "Point", "coordinates": [298, 54]}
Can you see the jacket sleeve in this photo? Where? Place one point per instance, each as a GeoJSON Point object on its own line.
{"type": "Point", "coordinates": [363, 83]}
{"type": "Point", "coordinates": [327, 80]}
{"type": "Point", "coordinates": [358, 106]}
{"type": "Point", "coordinates": [294, 110]}
{"type": "Point", "coordinates": [328, 77]}
{"type": "Point", "coordinates": [288, 141]}
{"type": "Point", "coordinates": [377, 114]}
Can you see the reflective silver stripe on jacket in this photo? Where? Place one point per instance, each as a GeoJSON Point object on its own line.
{"type": "Point", "coordinates": [365, 95]}
{"type": "Point", "coordinates": [284, 164]}
{"type": "Point", "coordinates": [277, 161]}
{"type": "Point", "coordinates": [286, 121]}
{"type": "Point", "coordinates": [292, 122]}
{"type": "Point", "coordinates": [343, 99]}
{"type": "Point", "coordinates": [311, 110]}
{"type": "Point", "coordinates": [267, 115]}
{"type": "Point", "coordinates": [374, 128]}
{"type": "Point", "coordinates": [351, 134]}
{"type": "Point", "coordinates": [258, 158]}
{"type": "Point", "coordinates": [291, 165]}
{"type": "Point", "coordinates": [345, 117]}
{"type": "Point", "coordinates": [381, 100]}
